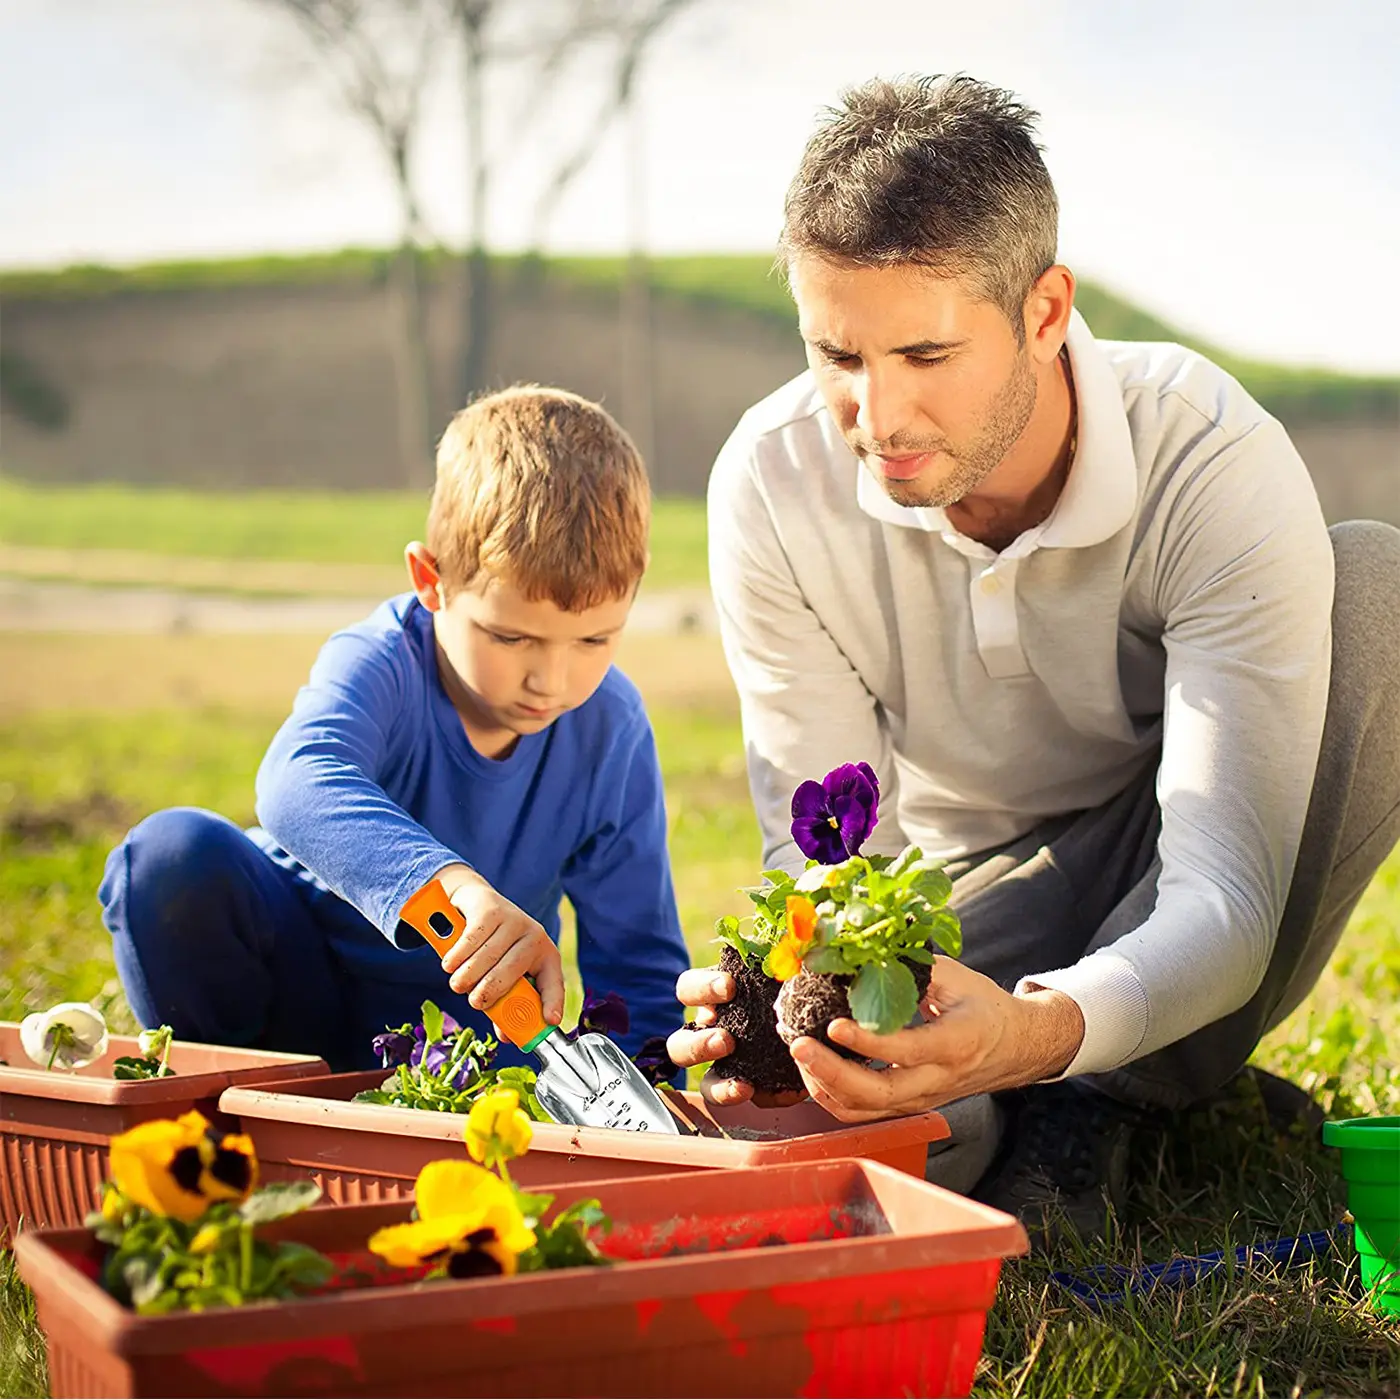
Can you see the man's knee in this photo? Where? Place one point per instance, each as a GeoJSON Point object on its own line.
{"type": "Point", "coordinates": [168, 868]}
{"type": "Point", "coordinates": [1365, 617]}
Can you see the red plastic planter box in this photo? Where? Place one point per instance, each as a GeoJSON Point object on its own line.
{"type": "Point", "coordinates": [54, 1124]}
{"type": "Point", "coordinates": [370, 1152]}
{"type": "Point", "coordinates": [837, 1278]}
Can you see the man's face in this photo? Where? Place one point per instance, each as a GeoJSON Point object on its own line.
{"type": "Point", "coordinates": [516, 663]}
{"type": "Point", "coordinates": [925, 380]}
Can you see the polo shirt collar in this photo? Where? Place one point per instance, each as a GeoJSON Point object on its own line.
{"type": "Point", "coordinates": [1100, 494]}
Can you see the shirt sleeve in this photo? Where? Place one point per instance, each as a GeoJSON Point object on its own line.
{"type": "Point", "coordinates": [318, 788]}
{"type": "Point", "coordinates": [1244, 584]}
{"type": "Point", "coordinates": [619, 883]}
{"type": "Point", "coordinates": [804, 708]}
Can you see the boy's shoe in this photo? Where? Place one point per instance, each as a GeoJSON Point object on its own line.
{"type": "Point", "coordinates": [1065, 1161]}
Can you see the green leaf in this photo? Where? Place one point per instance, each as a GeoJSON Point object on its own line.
{"type": "Point", "coordinates": [918, 955]}
{"type": "Point", "coordinates": [777, 877]}
{"type": "Point", "coordinates": [727, 927]}
{"type": "Point", "coordinates": [432, 1021]}
{"type": "Point", "coordinates": [904, 860]}
{"type": "Point", "coordinates": [934, 885]}
{"type": "Point", "coordinates": [816, 877]}
{"type": "Point", "coordinates": [883, 997]}
{"type": "Point", "coordinates": [279, 1199]}
{"type": "Point", "coordinates": [373, 1096]}
{"type": "Point", "coordinates": [879, 888]}
{"type": "Point", "coordinates": [823, 957]}
{"type": "Point", "coordinates": [142, 1277]}
{"type": "Point", "coordinates": [533, 1204]}
{"type": "Point", "coordinates": [858, 914]}
{"type": "Point", "coordinates": [947, 932]}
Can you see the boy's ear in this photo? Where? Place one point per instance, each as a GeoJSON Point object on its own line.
{"type": "Point", "coordinates": [423, 573]}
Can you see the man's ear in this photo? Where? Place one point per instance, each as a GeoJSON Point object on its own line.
{"type": "Point", "coordinates": [423, 574]}
{"type": "Point", "coordinates": [1047, 311]}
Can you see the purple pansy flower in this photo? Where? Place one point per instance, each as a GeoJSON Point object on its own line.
{"type": "Point", "coordinates": [653, 1061]}
{"type": "Point", "coordinates": [449, 1027]}
{"type": "Point", "coordinates": [393, 1048]}
{"type": "Point", "coordinates": [607, 1015]}
{"type": "Point", "coordinates": [832, 819]}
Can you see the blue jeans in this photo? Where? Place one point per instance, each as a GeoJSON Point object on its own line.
{"type": "Point", "coordinates": [228, 944]}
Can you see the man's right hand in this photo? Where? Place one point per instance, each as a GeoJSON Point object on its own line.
{"type": "Point", "coordinates": [706, 989]}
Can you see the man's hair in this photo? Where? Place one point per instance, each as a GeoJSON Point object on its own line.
{"type": "Point", "coordinates": [542, 489]}
{"type": "Point", "coordinates": [943, 172]}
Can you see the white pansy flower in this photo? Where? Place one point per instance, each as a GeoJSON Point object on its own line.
{"type": "Point", "coordinates": [68, 1036]}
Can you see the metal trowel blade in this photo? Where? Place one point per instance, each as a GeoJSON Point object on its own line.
{"type": "Point", "coordinates": [590, 1081]}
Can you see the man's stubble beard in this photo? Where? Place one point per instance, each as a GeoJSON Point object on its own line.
{"type": "Point", "coordinates": [1007, 417]}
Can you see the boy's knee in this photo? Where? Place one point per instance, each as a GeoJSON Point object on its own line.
{"type": "Point", "coordinates": [169, 865]}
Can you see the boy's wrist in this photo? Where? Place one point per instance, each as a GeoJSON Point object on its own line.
{"type": "Point", "coordinates": [453, 877]}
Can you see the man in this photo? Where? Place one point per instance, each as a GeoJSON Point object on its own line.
{"type": "Point", "coordinates": [1074, 601]}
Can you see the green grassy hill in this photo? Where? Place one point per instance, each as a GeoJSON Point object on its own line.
{"type": "Point", "coordinates": [744, 282]}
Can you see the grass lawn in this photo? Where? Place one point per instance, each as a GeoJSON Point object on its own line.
{"type": "Point", "coordinates": [76, 771]}
{"type": "Point", "coordinates": [306, 527]}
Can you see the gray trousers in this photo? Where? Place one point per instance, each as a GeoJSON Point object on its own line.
{"type": "Point", "coordinates": [1079, 882]}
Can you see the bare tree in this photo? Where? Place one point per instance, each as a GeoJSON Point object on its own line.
{"type": "Point", "coordinates": [472, 17]}
{"type": "Point", "coordinates": [633, 26]}
{"type": "Point", "coordinates": [380, 54]}
{"type": "Point", "coordinates": [553, 33]}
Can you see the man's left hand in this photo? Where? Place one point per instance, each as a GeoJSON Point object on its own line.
{"type": "Point", "coordinates": [976, 1039]}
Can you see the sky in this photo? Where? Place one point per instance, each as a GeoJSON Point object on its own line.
{"type": "Point", "coordinates": [1231, 165]}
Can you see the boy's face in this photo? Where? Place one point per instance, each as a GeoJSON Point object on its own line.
{"type": "Point", "coordinates": [514, 665]}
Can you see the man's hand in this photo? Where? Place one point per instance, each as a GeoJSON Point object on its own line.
{"type": "Point", "coordinates": [707, 988]}
{"type": "Point", "coordinates": [977, 1039]}
{"type": "Point", "coordinates": [500, 944]}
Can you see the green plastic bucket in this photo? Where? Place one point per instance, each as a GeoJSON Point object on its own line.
{"type": "Point", "coordinates": [1370, 1149]}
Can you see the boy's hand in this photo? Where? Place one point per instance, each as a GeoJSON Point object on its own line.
{"type": "Point", "coordinates": [501, 944]}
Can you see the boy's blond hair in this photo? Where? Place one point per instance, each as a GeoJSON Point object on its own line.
{"type": "Point", "coordinates": [542, 489]}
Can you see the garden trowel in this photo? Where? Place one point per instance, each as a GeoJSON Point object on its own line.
{"type": "Point", "coordinates": [588, 1080]}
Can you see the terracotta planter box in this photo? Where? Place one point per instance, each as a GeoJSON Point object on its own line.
{"type": "Point", "coordinates": [54, 1125]}
{"type": "Point", "coordinates": [370, 1152]}
{"type": "Point", "coordinates": [838, 1278]}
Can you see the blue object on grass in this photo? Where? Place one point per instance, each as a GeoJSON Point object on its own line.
{"type": "Point", "coordinates": [1183, 1273]}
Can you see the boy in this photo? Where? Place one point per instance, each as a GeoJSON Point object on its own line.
{"type": "Point", "coordinates": [472, 731]}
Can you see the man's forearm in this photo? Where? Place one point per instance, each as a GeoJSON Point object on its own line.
{"type": "Point", "coordinates": [1051, 1033]}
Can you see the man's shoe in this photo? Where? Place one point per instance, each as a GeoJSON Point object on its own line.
{"type": "Point", "coordinates": [1065, 1160]}
{"type": "Point", "coordinates": [1287, 1104]}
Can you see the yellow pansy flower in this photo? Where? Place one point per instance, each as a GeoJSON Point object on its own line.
{"type": "Point", "coordinates": [497, 1127]}
{"type": "Point", "coordinates": [181, 1166]}
{"type": "Point", "coordinates": [469, 1221]}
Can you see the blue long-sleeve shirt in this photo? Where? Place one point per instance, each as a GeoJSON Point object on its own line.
{"type": "Point", "coordinates": [373, 786]}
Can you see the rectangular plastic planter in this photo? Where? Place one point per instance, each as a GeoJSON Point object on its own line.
{"type": "Point", "coordinates": [837, 1278]}
{"type": "Point", "coordinates": [54, 1125]}
{"type": "Point", "coordinates": [371, 1152]}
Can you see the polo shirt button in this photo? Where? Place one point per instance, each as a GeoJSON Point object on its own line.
{"type": "Point", "coordinates": [990, 585]}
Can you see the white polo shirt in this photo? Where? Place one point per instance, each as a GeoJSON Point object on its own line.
{"type": "Point", "coordinates": [1176, 600]}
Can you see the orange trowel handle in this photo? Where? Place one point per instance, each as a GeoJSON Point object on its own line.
{"type": "Point", "coordinates": [519, 1015]}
